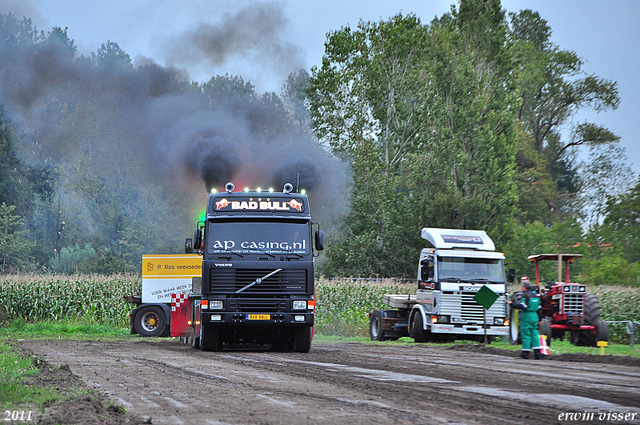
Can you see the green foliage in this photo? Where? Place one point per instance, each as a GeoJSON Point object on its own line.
{"type": "Point", "coordinates": [13, 245]}
{"type": "Point", "coordinates": [426, 117]}
{"type": "Point", "coordinates": [536, 238]}
{"type": "Point", "coordinates": [553, 89]}
{"type": "Point", "coordinates": [621, 227]}
{"type": "Point", "coordinates": [610, 270]}
{"type": "Point", "coordinates": [74, 260]}
{"type": "Point", "coordinates": [99, 299]}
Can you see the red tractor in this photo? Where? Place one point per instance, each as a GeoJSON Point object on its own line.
{"type": "Point", "coordinates": [565, 307]}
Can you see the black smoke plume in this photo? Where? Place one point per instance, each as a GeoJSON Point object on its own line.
{"type": "Point", "coordinates": [145, 145]}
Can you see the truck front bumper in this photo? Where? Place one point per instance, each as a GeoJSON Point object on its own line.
{"type": "Point", "coordinates": [469, 329]}
{"type": "Point", "coordinates": [223, 318]}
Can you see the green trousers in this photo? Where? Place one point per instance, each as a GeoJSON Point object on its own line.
{"type": "Point", "coordinates": [529, 330]}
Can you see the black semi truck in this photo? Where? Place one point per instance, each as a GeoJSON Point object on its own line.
{"type": "Point", "coordinates": [257, 285]}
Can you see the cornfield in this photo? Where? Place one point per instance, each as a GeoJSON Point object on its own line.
{"type": "Point", "coordinates": [68, 298]}
{"type": "Point", "coordinates": [342, 307]}
{"type": "Point", "coordinates": [619, 303]}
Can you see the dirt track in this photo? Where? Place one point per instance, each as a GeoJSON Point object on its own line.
{"type": "Point", "coordinates": [345, 384]}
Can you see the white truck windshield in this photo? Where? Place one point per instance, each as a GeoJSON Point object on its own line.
{"type": "Point", "coordinates": [470, 269]}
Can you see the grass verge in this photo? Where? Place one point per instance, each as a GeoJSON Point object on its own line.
{"type": "Point", "coordinates": [15, 369]}
{"type": "Point", "coordinates": [557, 346]}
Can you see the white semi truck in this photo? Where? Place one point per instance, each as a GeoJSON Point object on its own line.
{"type": "Point", "coordinates": [450, 275]}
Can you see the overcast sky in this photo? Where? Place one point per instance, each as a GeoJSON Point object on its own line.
{"type": "Point", "coordinates": [268, 40]}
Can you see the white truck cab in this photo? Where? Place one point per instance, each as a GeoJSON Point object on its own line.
{"type": "Point", "coordinates": [450, 274]}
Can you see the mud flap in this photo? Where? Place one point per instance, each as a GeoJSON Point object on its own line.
{"type": "Point", "coordinates": [180, 315]}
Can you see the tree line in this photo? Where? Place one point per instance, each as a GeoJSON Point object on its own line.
{"type": "Point", "coordinates": [462, 122]}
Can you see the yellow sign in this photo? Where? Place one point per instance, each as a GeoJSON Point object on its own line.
{"type": "Point", "coordinates": [602, 344]}
{"type": "Point", "coordinates": [162, 266]}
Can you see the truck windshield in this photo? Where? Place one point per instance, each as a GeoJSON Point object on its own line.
{"type": "Point", "coordinates": [258, 237]}
{"type": "Point", "coordinates": [470, 269]}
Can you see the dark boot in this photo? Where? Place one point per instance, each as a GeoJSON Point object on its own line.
{"type": "Point", "coordinates": [538, 354]}
{"type": "Point", "coordinates": [525, 354]}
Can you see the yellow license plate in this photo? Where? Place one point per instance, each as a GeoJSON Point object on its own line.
{"type": "Point", "coordinates": [258, 317]}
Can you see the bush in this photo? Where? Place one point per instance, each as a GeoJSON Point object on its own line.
{"type": "Point", "coordinates": [75, 260]}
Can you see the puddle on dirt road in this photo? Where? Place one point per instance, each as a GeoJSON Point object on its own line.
{"type": "Point", "coordinates": [377, 375]}
{"type": "Point", "coordinates": [553, 400]}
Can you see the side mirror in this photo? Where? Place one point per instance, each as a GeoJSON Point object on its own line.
{"type": "Point", "coordinates": [197, 236]}
{"type": "Point", "coordinates": [319, 240]}
{"type": "Point", "coordinates": [511, 276]}
{"type": "Point", "coordinates": [188, 246]}
{"type": "Point", "coordinates": [427, 271]}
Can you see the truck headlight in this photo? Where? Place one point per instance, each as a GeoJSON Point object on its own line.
{"type": "Point", "coordinates": [440, 319]}
{"type": "Point", "coordinates": [216, 317]}
{"type": "Point", "coordinates": [300, 305]}
{"type": "Point", "coordinates": [299, 318]}
{"type": "Point", "coordinates": [215, 305]}
{"type": "Point", "coordinates": [498, 321]}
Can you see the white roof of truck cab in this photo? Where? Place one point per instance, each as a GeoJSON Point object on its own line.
{"type": "Point", "coordinates": [457, 238]}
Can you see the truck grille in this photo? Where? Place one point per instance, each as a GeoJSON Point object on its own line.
{"type": "Point", "coordinates": [573, 303]}
{"type": "Point", "coordinates": [465, 307]}
{"type": "Point", "coordinates": [289, 281]}
{"type": "Point", "coordinates": [257, 305]}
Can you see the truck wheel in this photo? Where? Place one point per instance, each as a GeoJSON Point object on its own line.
{"type": "Point", "coordinates": [150, 320]}
{"type": "Point", "coordinates": [302, 340]}
{"type": "Point", "coordinates": [514, 321]}
{"type": "Point", "coordinates": [195, 340]}
{"type": "Point", "coordinates": [417, 329]}
{"type": "Point", "coordinates": [591, 309]}
{"type": "Point", "coordinates": [210, 339]}
{"type": "Point", "coordinates": [544, 328]}
{"type": "Point", "coordinates": [375, 326]}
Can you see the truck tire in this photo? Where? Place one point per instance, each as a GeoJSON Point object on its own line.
{"type": "Point", "coordinates": [544, 329]}
{"type": "Point", "coordinates": [591, 309]}
{"type": "Point", "coordinates": [210, 339]}
{"type": "Point", "coordinates": [150, 320]}
{"type": "Point", "coordinates": [195, 341]}
{"type": "Point", "coordinates": [302, 340]}
{"type": "Point", "coordinates": [375, 326]}
{"type": "Point", "coordinates": [514, 321]}
{"type": "Point", "coordinates": [417, 329]}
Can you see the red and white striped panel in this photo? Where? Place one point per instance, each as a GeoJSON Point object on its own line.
{"type": "Point", "coordinates": [177, 300]}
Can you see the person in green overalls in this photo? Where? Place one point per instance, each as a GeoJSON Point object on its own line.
{"type": "Point", "coordinates": [529, 304]}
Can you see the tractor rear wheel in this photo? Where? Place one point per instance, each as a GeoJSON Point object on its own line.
{"type": "Point", "coordinates": [544, 329]}
{"type": "Point", "coordinates": [602, 331]}
{"type": "Point", "coordinates": [514, 321]}
{"type": "Point", "coordinates": [591, 309]}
